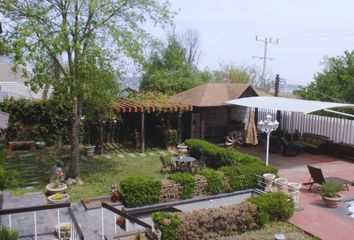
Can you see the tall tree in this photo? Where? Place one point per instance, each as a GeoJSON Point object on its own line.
{"type": "Point", "coordinates": [335, 83]}
{"type": "Point", "coordinates": [66, 30]}
{"type": "Point", "coordinates": [172, 68]}
{"type": "Point", "coordinates": [236, 74]}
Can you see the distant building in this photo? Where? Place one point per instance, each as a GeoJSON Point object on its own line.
{"type": "Point", "coordinates": [12, 84]}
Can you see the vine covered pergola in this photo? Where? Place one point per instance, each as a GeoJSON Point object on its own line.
{"type": "Point", "coordinates": [148, 102]}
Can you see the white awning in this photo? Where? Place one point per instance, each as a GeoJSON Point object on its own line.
{"type": "Point", "coordinates": [286, 104]}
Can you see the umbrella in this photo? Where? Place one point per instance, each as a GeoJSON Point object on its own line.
{"type": "Point", "coordinates": [251, 130]}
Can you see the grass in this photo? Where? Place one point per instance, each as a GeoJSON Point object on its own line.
{"type": "Point", "coordinates": [267, 232]}
{"type": "Point", "coordinates": [98, 173]}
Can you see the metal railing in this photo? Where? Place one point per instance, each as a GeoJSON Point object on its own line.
{"type": "Point", "coordinates": [132, 224]}
{"type": "Point", "coordinates": [75, 230]}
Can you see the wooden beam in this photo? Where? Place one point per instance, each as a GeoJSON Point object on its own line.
{"type": "Point", "coordinates": [142, 130]}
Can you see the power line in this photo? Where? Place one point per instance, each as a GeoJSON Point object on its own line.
{"type": "Point", "coordinates": [265, 58]}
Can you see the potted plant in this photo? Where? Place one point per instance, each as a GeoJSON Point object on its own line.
{"type": "Point", "coordinates": [56, 187]}
{"type": "Point", "coordinates": [329, 192]}
{"type": "Point", "coordinates": [59, 198]}
{"type": "Point", "coordinates": [40, 144]}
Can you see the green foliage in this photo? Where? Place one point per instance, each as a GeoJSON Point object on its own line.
{"type": "Point", "coordinates": [246, 176]}
{"type": "Point", "coordinates": [167, 223]}
{"type": "Point", "coordinates": [235, 74]}
{"type": "Point", "coordinates": [171, 137]}
{"type": "Point", "coordinates": [218, 156]}
{"type": "Point", "coordinates": [331, 188]}
{"type": "Point", "coordinates": [9, 177]}
{"type": "Point", "coordinates": [170, 71]}
{"type": "Point", "coordinates": [215, 180]}
{"type": "Point", "coordinates": [138, 191]}
{"type": "Point", "coordinates": [37, 120]}
{"type": "Point", "coordinates": [7, 234]}
{"type": "Point", "coordinates": [334, 83]}
{"type": "Point", "coordinates": [187, 182]}
{"type": "Point", "coordinates": [276, 206]}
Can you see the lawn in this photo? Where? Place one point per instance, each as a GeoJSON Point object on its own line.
{"type": "Point", "coordinates": [98, 172]}
{"type": "Point", "coordinates": [267, 232]}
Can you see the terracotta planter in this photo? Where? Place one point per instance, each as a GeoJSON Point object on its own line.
{"type": "Point", "coordinates": [64, 198]}
{"type": "Point", "coordinates": [53, 190]}
{"type": "Point", "coordinates": [332, 202]}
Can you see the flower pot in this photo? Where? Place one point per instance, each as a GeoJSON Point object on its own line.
{"type": "Point", "coordinates": [64, 198]}
{"type": "Point", "coordinates": [268, 181]}
{"type": "Point", "coordinates": [282, 184]}
{"type": "Point", "coordinates": [40, 145]}
{"type": "Point", "coordinates": [65, 230]}
{"type": "Point", "coordinates": [51, 189]}
{"type": "Point", "coordinates": [89, 150]}
{"type": "Point", "coordinates": [332, 202]}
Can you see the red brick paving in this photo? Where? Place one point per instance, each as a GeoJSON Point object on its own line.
{"type": "Point", "coordinates": [315, 218]}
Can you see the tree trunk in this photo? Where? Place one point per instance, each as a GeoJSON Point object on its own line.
{"type": "Point", "coordinates": [75, 134]}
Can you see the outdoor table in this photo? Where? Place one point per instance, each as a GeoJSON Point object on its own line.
{"type": "Point", "coordinates": [180, 161]}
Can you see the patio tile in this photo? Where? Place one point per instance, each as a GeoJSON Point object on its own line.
{"type": "Point", "coordinates": [132, 155]}
{"type": "Point", "coordinates": [120, 155]}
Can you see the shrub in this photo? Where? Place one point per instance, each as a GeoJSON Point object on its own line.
{"type": "Point", "coordinates": [187, 182]}
{"type": "Point", "coordinates": [218, 156]}
{"type": "Point", "coordinates": [216, 222]}
{"type": "Point", "coordinates": [167, 223]}
{"type": "Point", "coordinates": [273, 207]}
{"type": "Point", "coordinates": [171, 137]}
{"type": "Point", "coordinates": [138, 191]}
{"type": "Point", "coordinates": [7, 234]}
{"type": "Point", "coordinates": [215, 180]}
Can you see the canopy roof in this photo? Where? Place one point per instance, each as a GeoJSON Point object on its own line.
{"type": "Point", "coordinates": [286, 104]}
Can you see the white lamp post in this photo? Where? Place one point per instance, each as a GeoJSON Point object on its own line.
{"type": "Point", "coordinates": [268, 126]}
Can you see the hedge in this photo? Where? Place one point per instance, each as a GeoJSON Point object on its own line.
{"type": "Point", "coordinates": [167, 223]}
{"type": "Point", "coordinates": [38, 120]}
{"type": "Point", "coordinates": [187, 182]}
{"type": "Point", "coordinates": [138, 191]}
{"type": "Point", "coordinates": [215, 180]}
{"type": "Point", "coordinates": [218, 156]}
{"type": "Point", "coordinates": [276, 206]}
{"type": "Point", "coordinates": [214, 223]}
{"type": "Point", "coordinates": [246, 176]}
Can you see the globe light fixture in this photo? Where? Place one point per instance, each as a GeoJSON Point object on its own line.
{"type": "Point", "coordinates": [268, 126]}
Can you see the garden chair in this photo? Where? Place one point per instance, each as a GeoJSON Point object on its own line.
{"type": "Point", "coordinates": [167, 163]}
{"type": "Point", "coordinates": [317, 177]}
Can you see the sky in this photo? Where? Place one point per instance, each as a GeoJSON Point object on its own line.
{"type": "Point", "coordinates": [307, 31]}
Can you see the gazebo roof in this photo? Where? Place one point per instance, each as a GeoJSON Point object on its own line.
{"type": "Point", "coordinates": [214, 94]}
{"type": "Point", "coordinates": [149, 102]}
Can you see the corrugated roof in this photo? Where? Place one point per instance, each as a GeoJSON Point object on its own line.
{"type": "Point", "coordinates": [213, 94]}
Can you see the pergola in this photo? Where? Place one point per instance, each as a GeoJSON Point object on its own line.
{"type": "Point", "coordinates": [142, 103]}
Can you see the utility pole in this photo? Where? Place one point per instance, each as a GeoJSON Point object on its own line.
{"type": "Point", "coordinates": [265, 58]}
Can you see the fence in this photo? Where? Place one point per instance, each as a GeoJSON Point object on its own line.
{"type": "Point", "coordinates": [75, 229]}
{"type": "Point", "coordinates": [337, 129]}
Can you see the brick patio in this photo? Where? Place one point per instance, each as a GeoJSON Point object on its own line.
{"type": "Point", "coordinates": [314, 217]}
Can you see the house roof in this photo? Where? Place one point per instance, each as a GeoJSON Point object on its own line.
{"type": "Point", "coordinates": [214, 94]}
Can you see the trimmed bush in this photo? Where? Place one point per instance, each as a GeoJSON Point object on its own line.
{"type": "Point", "coordinates": [187, 182]}
{"type": "Point", "coordinates": [215, 180]}
{"type": "Point", "coordinates": [218, 156]}
{"type": "Point", "coordinates": [273, 207]}
{"type": "Point", "coordinates": [246, 176]}
{"type": "Point", "coordinates": [138, 191]}
{"type": "Point", "coordinates": [217, 222]}
{"type": "Point", "coordinates": [167, 223]}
